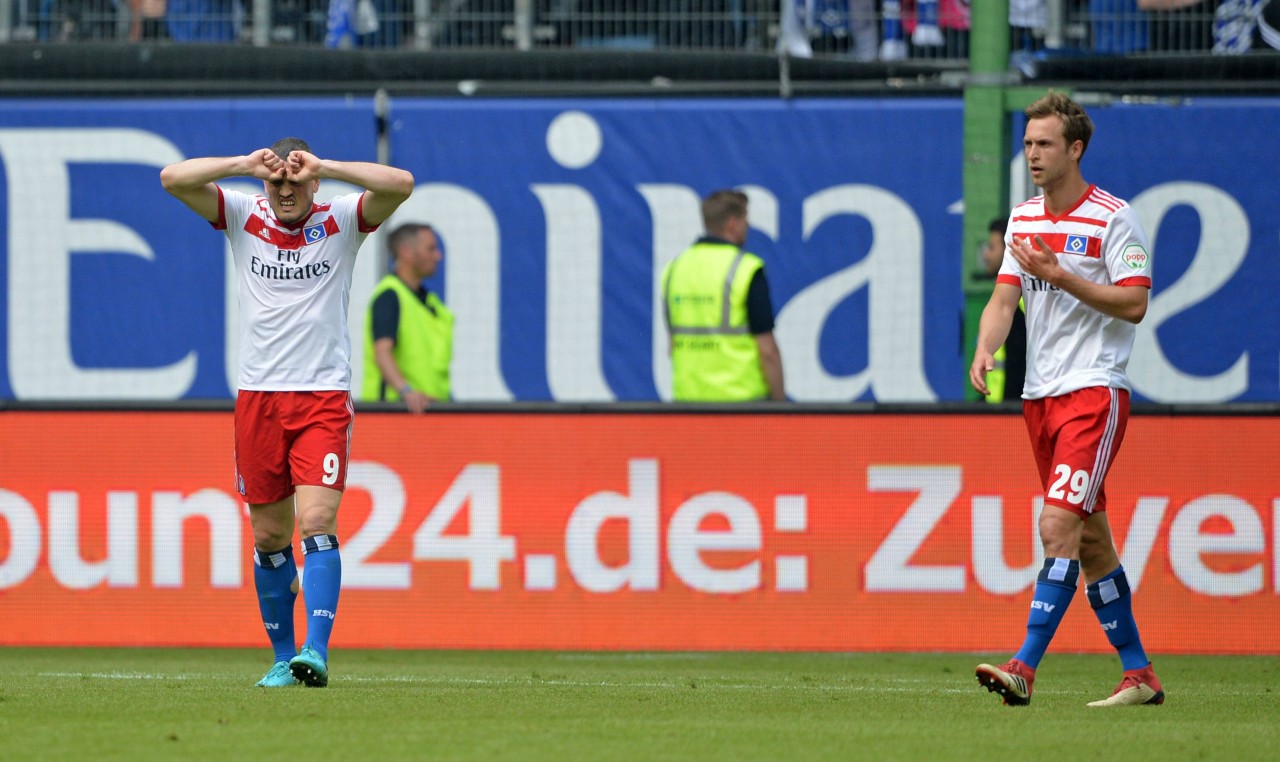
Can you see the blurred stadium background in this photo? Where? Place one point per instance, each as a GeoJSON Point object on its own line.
{"type": "Point", "coordinates": [862, 29]}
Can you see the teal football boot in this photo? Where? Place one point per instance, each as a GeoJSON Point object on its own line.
{"type": "Point", "coordinates": [279, 676]}
{"type": "Point", "coordinates": [308, 667]}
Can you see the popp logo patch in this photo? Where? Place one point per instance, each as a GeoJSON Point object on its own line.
{"type": "Point", "coordinates": [1134, 256]}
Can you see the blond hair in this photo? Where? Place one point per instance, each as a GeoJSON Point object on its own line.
{"type": "Point", "coordinates": [1076, 124]}
{"type": "Point", "coordinates": [722, 206]}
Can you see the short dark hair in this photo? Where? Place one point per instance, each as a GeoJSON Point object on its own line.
{"type": "Point", "coordinates": [285, 146]}
{"type": "Point", "coordinates": [722, 206]}
{"type": "Point", "coordinates": [1076, 124]}
{"type": "Point", "coordinates": [404, 234]}
{"type": "Point", "coordinates": [998, 225]}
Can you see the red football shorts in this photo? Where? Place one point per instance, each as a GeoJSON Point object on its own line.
{"type": "Point", "coordinates": [1074, 438]}
{"type": "Point", "coordinates": [286, 439]}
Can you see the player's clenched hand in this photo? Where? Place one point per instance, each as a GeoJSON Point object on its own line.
{"type": "Point", "coordinates": [1038, 261]}
{"type": "Point", "coordinates": [265, 165]}
{"type": "Point", "coordinates": [303, 167]}
{"type": "Point", "coordinates": [983, 363]}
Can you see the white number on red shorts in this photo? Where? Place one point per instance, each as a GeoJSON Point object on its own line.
{"type": "Point", "coordinates": [331, 464]}
{"type": "Point", "coordinates": [1079, 484]}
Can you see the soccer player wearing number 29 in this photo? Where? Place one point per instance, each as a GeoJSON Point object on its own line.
{"type": "Point", "coordinates": [1078, 258]}
{"type": "Point", "coordinates": [293, 415]}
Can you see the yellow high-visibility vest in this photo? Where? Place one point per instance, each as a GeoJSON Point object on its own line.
{"type": "Point", "coordinates": [423, 349]}
{"type": "Point", "coordinates": [714, 357]}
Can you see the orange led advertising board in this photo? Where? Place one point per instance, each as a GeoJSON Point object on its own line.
{"type": "Point", "coordinates": [611, 531]}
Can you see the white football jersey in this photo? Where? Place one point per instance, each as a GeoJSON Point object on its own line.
{"type": "Point", "coordinates": [294, 286]}
{"type": "Point", "coordinates": [1070, 345]}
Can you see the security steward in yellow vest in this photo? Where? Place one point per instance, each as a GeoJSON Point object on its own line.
{"type": "Point", "coordinates": [408, 330]}
{"type": "Point", "coordinates": [719, 315]}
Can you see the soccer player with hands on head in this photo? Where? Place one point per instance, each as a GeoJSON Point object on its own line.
{"type": "Point", "coordinates": [1078, 258]}
{"type": "Point", "coordinates": [293, 415]}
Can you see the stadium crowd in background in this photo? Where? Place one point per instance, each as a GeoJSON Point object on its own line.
{"type": "Point", "coordinates": [865, 30]}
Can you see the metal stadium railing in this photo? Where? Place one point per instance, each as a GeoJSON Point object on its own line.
{"type": "Point", "coordinates": [858, 29]}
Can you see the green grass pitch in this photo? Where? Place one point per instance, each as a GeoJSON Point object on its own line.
{"type": "Point", "coordinates": [136, 704]}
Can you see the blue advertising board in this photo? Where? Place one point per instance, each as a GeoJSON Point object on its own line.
{"type": "Point", "coordinates": [111, 288]}
{"type": "Point", "coordinates": [1201, 175]}
{"type": "Point", "coordinates": [557, 216]}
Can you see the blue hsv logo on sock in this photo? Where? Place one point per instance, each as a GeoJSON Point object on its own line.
{"type": "Point", "coordinates": [1055, 587]}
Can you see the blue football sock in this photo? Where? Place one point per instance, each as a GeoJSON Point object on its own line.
{"type": "Point", "coordinates": [320, 584]}
{"type": "Point", "coordinates": [274, 573]}
{"type": "Point", "coordinates": [1113, 605]}
{"type": "Point", "coordinates": [1055, 587]}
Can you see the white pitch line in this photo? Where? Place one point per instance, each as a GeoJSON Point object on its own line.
{"type": "Point", "coordinates": [527, 682]}
{"type": "Point", "coordinates": [120, 675]}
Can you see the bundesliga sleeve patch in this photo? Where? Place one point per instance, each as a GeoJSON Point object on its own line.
{"type": "Point", "coordinates": [1134, 256]}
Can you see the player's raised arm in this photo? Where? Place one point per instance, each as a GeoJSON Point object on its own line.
{"type": "Point", "coordinates": [192, 181]}
{"type": "Point", "coordinates": [385, 187]}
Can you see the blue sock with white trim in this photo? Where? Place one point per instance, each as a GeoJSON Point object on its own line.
{"type": "Point", "coordinates": [1113, 605]}
{"type": "Point", "coordinates": [1055, 587]}
{"type": "Point", "coordinates": [320, 584]}
{"type": "Point", "coordinates": [274, 573]}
